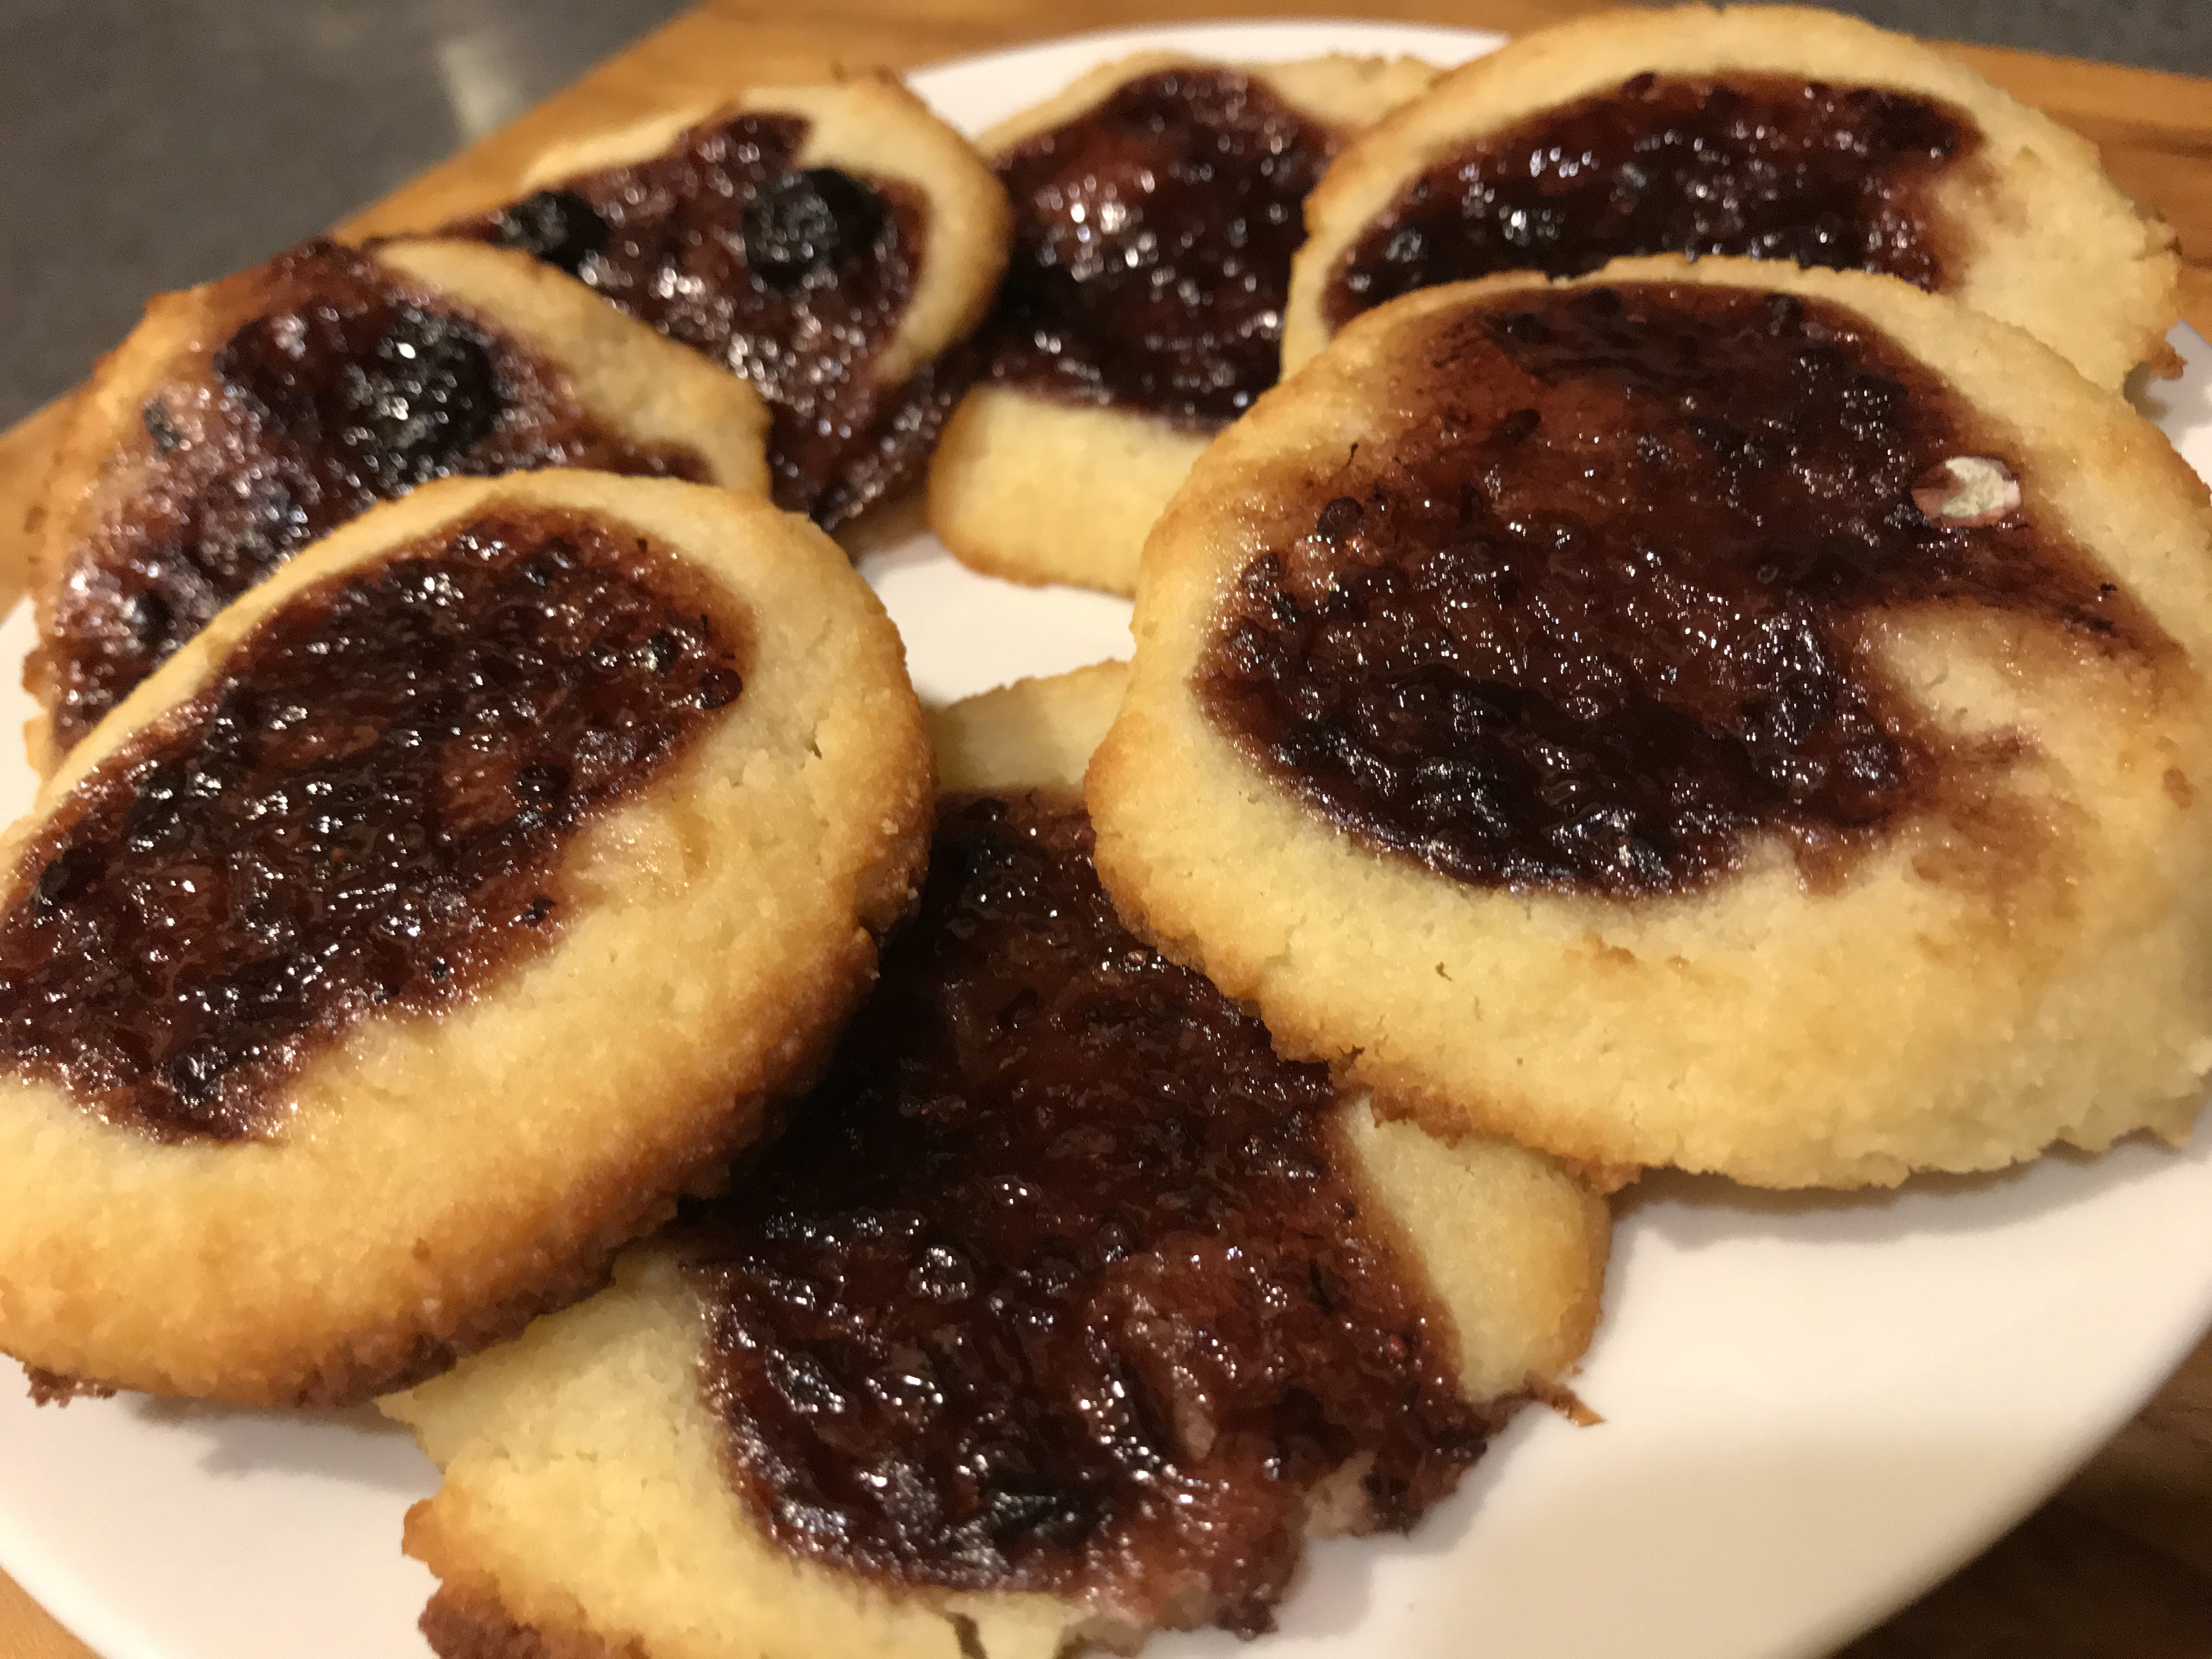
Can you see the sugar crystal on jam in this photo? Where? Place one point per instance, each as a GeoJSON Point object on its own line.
{"type": "Point", "coordinates": [1153, 245]}
{"type": "Point", "coordinates": [1596, 610]}
{"type": "Point", "coordinates": [364, 808]}
{"type": "Point", "coordinates": [1058, 1282]}
{"type": "Point", "coordinates": [1760, 166]}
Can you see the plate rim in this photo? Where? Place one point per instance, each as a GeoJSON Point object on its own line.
{"type": "Point", "coordinates": [44, 1577]}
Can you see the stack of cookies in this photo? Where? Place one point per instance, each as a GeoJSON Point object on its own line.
{"type": "Point", "coordinates": [1658, 643]}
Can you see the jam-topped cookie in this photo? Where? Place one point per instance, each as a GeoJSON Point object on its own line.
{"type": "Point", "coordinates": [1065, 1310]}
{"type": "Point", "coordinates": [244, 418]}
{"type": "Point", "coordinates": [398, 950]}
{"type": "Point", "coordinates": [834, 244]}
{"type": "Point", "coordinates": [1716, 714]}
{"type": "Point", "coordinates": [1156, 202]}
{"type": "Point", "coordinates": [1762, 132]}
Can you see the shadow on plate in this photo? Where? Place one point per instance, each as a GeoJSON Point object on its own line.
{"type": "Point", "coordinates": [358, 1445]}
{"type": "Point", "coordinates": [1695, 1210]}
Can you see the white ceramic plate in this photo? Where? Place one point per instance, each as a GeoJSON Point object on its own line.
{"type": "Point", "coordinates": [1814, 1407]}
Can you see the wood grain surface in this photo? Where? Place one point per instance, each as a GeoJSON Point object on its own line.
{"type": "Point", "coordinates": [2119, 1564]}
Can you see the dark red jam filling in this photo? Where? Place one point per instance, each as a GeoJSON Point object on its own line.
{"type": "Point", "coordinates": [795, 277]}
{"type": "Point", "coordinates": [349, 387]}
{"type": "Point", "coordinates": [1600, 606]}
{"type": "Point", "coordinates": [1762, 166]}
{"type": "Point", "coordinates": [364, 808]}
{"type": "Point", "coordinates": [1057, 1282]}
{"type": "Point", "coordinates": [1152, 246]}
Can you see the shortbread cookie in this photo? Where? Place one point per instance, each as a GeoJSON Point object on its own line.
{"type": "Point", "coordinates": [1768, 131]}
{"type": "Point", "coordinates": [419, 931]}
{"type": "Point", "coordinates": [1064, 1309]}
{"type": "Point", "coordinates": [1713, 714]}
{"type": "Point", "coordinates": [834, 244]}
{"type": "Point", "coordinates": [244, 418]}
{"type": "Point", "coordinates": [1157, 204]}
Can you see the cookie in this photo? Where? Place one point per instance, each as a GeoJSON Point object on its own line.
{"type": "Point", "coordinates": [242, 419]}
{"type": "Point", "coordinates": [1003, 1349]}
{"type": "Point", "coordinates": [1767, 131]}
{"type": "Point", "coordinates": [411, 937]}
{"type": "Point", "coordinates": [1156, 205]}
{"type": "Point", "coordinates": [1717, 714]}
{"type": "Point", "coordinates": [834, 244]}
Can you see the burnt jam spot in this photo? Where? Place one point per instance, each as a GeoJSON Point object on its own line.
{"type": "Point", "coordinates": [195, 1073]}
{"type": "Point", "coordinates": [1761, 166]}
{"type": "Point", "coordinates": [1519, 424]}
{"type": "Point", "coordinates": [366, 804]}
{"type": "Point", "coordinates": [717, 687]}
{"type": "Point", "coordinates": [542, 781]}
{"type": "Point", "coordinates": [796, 278]}
{"type": "Point", "coordinates": [393, 407]}
{"type": "Point", "coordinates": [1028, 1296]}
{"type": "Point", "coordinates": [149, 619]}
{"type": "Point", "coordinates": [160, 427]}
{"type": "Point", "coordinates": [556, 226]}
{"type": "Point", "coordinates": [1152, 246]}
{"type": "Point", "coordinates": [807, 225]}
{"type": "Point", "coordinates": [427, 394]}
{"type": "Point", "coordinates": [343, 389]}
{"type": "Point", "coordinates": [69, 874]}
{"type": "Point", "coordinates": [1338, 519]}
{"type": "Point", "coordinates": [1604, 613]}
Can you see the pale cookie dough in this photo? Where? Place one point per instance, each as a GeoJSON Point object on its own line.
{"type": "Point", "coordinates": [588, 1508]}
{"type": "Point", "coordinates": [1039, 490]}
{"type": "Point", "coordinates": [2021, 959]}
{"type": "Point", "coordinates": [430, 1173]}
{"type": "Point", "coordinates": [2027, 227]}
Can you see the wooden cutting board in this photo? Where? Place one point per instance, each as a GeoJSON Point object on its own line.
{"type": "Point", "coordinates": [2119, 1564]}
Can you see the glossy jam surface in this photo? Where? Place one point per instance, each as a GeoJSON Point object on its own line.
{"type": "Point", "coordinates": [348, 387]}
{"type": "Point", "coordinates": [365, 806]}
{"type": "Point", "coordinates": [1764, 166]}
{"type": "Point", "coordinates": [1057, 1282]}
{"type": "Point", "coordinates": [1153, 245]}
{"type": "Point", "coordinates": [1599, 605]}
{"type": "Point", "coordinates": [796, 277]}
